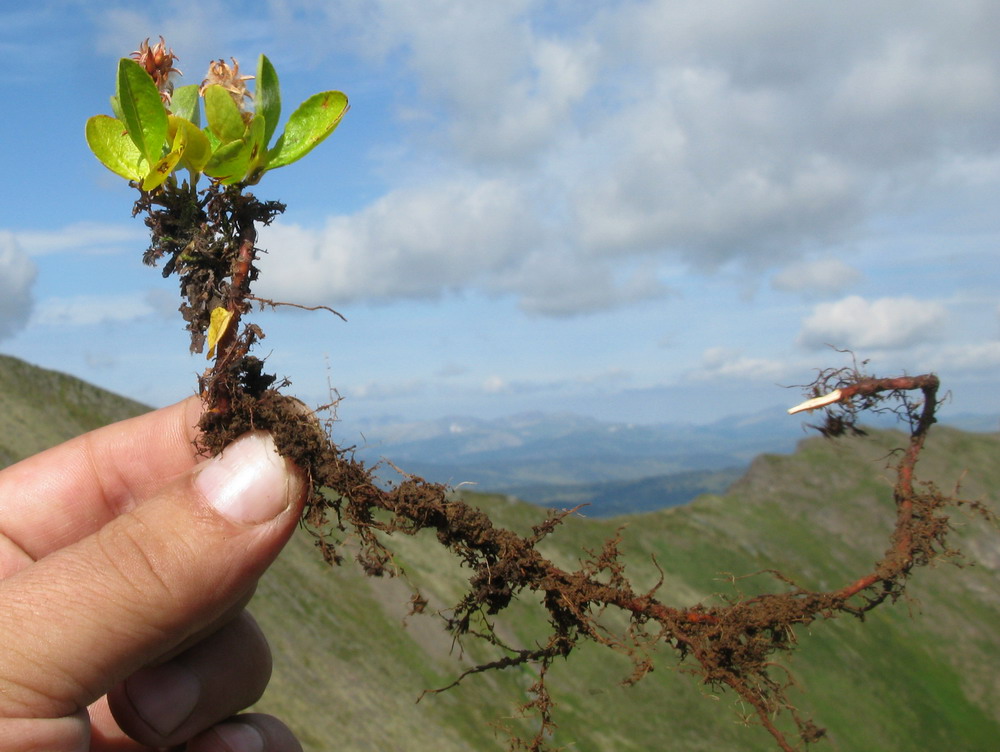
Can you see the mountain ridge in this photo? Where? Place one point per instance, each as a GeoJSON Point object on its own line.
{"type": "Point", "coordinates": [41, 407]}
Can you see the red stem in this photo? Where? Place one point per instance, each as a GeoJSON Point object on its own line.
{"type": "Point", "coordinates": [229, 348]}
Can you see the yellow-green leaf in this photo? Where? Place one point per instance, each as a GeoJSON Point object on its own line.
{"type": "Point", "coordinates": [196, 149]}
{"type": "Point", "coordinates": [163, 167]}
{"type": "Point", "coordinates": [107, 138]}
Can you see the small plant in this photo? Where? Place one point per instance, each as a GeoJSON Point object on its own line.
{"type": "Point", "coordinates": [157, 130]}
{"type": "Point", "coordinates": [206, 235]}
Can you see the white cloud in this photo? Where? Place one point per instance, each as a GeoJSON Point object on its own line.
{"type": "Point", "coordinates": [556, 282]}
{"type": "Point", "coordinates": [17, 277]}
{"type": "Point", "coordinates": [496, 385]}
{"type": "Point", "coordinates": [454, 234]}
{"type": "Point", "coordinates": [197, 30]}
{"type": "Point", "coordinates": [751, 212]}
{"type": "Point", "coordinates": [382, 391]}
{"type": "Point", "coordinates": [727, 363]}
{"type": "Point", "coordinates": [818, 276]}
{"type": "Point", "coordinates": [82, 237]}
{"type": "Point", "coordinates": [886, 323]}
{"type": "Point", "coordinates": [978, 357]}
{"type": "Point", "coordinates": [504, 87]}
{"type": "Point", "coordinates": [411, 243]}
{"type": "Point", "coordinates": [714, 133]}
{"type": "Point", "coordinates": [913, 87]}
{"type": "Point", "coordinates": [88, 310]}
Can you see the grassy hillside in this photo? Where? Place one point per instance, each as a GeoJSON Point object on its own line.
{"type": "Point", "coordinates": [919, 675]}
{"type": "Point", "coordinates": [40, 408]}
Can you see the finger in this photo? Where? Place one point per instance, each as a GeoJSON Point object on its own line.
{"type": "Point", "coordinates": [251, 732]}
{"type": "Point", "coordinates": [63, 494]}
{"type": "Point", "coordinates": [87, 616]}
{"type": "Point", "coordinates": [105, 732]}
{"type": "Point", "coordinates": [170, 703]}
{"type": "Point", "coordinates": [57, 735]}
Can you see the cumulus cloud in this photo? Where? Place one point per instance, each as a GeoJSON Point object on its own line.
{"type": "Point", "coordinates": [728, 363]}
{"type": "Point", "coordinates": [411, 243]}
{"type": "Point", "coordinates": [557, 282]}
{"type": "Point", "coordinates": [969, 357]}
{"type": "Point", "coordinates": [886, 323]}
{"type": "Point", "coordinates": [824, 276]}
{"type": "Point", "coordinates": [710, 133]}
{"type": "Point", "coordinates": [423, 243]}
{"type": "Point", "coordinates": [82, 237]}
{"type": "Point", "coordinates": [88, 310]}
{"type": "Point", "coordinates": [17, 276]}
{"type": "Point", "coordinates": [503, 88]}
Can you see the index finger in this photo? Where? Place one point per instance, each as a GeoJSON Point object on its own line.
{"type": "Point", "coordinates": [65, 493]}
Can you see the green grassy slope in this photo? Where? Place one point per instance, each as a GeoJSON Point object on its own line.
{"type": "Point", "coordinates": [919, 675]}
{"type": "Point", "coordinates": [40, 408]}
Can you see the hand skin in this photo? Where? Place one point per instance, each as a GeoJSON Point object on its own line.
{"type": "Point", "coordinates": [122, 590]}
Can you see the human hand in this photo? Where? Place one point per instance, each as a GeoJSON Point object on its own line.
{"type": "Point", "coordinates": [125, 566]}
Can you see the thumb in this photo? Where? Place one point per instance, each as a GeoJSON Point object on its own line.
{"type": "Point", "coordinates": [83, 618]}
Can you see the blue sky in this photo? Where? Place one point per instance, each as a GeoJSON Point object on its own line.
{"type": "Point", "coordinates": [640, 211]}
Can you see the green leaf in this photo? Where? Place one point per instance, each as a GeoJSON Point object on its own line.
{"type": "Point", "coordinates": [141, 109]}
{"type": "Point", "coordinates": [267, 96]}
{"type": "Point", "coordinates": [232, 161]}
{"type": "Point", "coordinates": [186, 104]}
{"type": "Point", "coordinates": [258, 149]}
{"type": "Point", "coordinates": [106, 137]}
{"type": "Point", "coordinates": [224, 117]}
{"type": "Point", "coordinates": [213, 142]}
{"type": "Point", "coordinates": [229, 163]}
{"type": "Point", "coordinates": [116, 108]}
{"type": "Point", "coordinates": [196, 149]}
{"type": "Point", "coordinates": [312, 122]}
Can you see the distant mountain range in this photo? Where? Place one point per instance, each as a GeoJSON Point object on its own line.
{"type": "Point", "coordinates": [562, 460]}
{"type": "Point", "coordinates": [565, 448]}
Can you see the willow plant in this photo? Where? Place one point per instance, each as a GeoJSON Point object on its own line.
{"type": "Point", "coordinates": [193, 183]}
